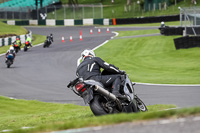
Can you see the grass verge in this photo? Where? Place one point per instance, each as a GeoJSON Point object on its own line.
{"type": "Point", "coordinates": [37, 39]}
{"type": "Point", "coordinates": [153, 59]}
{"type": "Point", "coordinates": [52, 116]}
{"type": "Point", "coordinates": [137, 32]}
{"type": "Point", "coordinates": [12, 29]}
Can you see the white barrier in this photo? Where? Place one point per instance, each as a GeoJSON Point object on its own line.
{"type": "Point", "coordinates": [69, 22]}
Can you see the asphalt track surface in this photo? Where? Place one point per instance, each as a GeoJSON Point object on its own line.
{"type": "Point", "coordinates": [43, 73]}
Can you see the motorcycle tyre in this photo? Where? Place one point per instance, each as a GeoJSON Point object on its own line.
{"type": "Point", "coordinates": [95, 105]}
{"type": "Point", "coordinates": [140, 102]}
{"type": "Point", "coordinates": [16, 50]}
{"type": "Point", "coordinates": [44, 46]}
{"type": "Point", "coordinates": [8, 64]}
{"type": "Point", "coordinates": [25, 48]}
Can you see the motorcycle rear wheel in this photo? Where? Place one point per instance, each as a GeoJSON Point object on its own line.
{"type": "Point", "coordinates": [8, 64]}
{"type": "Point", "coordinates": [25, 48]}
{"type": "Point", "coordinates": [97, 105]}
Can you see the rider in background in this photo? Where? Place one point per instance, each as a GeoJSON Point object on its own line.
{"type": "Point", "coordinates": [90, 67]}
{"type": "Point", "coordinates": [10, 51]}
{"type": "Point", "coordinates": [18, 42]}
{"type": "Point", "coordinates": [51, 37]}
{"type": "Point", "coordinates": [28, 39]}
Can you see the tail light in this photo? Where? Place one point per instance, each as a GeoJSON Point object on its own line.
{"type": "Point", "coordinates": [80, 87]}
{"type": "Point", "coordinates": [27, 42]}
{"type": "Point", "coordinates": [15, 45]}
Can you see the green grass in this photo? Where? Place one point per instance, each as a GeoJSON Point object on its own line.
{"type": "Point", "coordinates": [37, 39]}
{"type": "Point", "coordinates": [12, 29]}
{"type": "Point", "coordinates": [52, 116]}
{"type": "Point", "coordinates": [153, 59]}
{"type": "Point", "coordinates": [137, 32]}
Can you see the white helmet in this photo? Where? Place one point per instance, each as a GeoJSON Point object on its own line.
{"type": "Point", "coordinates": [162, 22]}
{"type": "Point", "coordinates": [11, 48]}
{"type": "Point", "coordinates": [86, 53]}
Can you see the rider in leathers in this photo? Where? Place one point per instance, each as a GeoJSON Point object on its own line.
{"type": "Point", "coordinates": [90, 69]}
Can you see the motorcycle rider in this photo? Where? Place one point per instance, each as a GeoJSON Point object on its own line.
{"type": "Point", "coordinates": [18, 42]}
{"type": "Point", "coordinates": [90, 67]}
{"type": "Point", "coordinates": [10, 51]}
{"type": "Point", "coordinates": [51, 37]}
{"type": "Point", "coordinates": [28, 39]}
{"type": "Point", "coordinates": [49, 40]}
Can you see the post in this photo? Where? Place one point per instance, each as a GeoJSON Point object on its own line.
{"type": "Point", "coordinates": [13, 15]}
{"type": "Point", "coordinates": [74, 12]}
{"type": "Point", "coordinates": [149, 7]}
{"type": "Point", "coordinates": [55, 11]}
{"type": "Point", "coordinates": [101, 11]}
{"type": "Point", "coordinates": [159, 6]}
{"type": "Point", "coordinates": [83, 12]}
{"type": "Point", "coordinates": [64, 12]}
{"type": "Point", "coordinates": [46, 9]}
{"type": "Point", "coordinates": [37, 15]}
{"type": "Point", "coordinates": [6, 14]}
{"type": "Point", "coordinates": [93, 10]}
{"type": "Point", "coordinates": [21, 13]}
{"type": "Point", "coordinates": [180, 17]}
{"type": "Point", "coordinates": [195, 18]}
{"type": "Point", "coordinates": [185, 24]}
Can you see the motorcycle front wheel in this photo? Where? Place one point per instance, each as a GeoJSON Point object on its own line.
{"type": "Point", "coordinates": [140, 104]}
{"type": "Point", "coordinates": [45, 44]}
{"type": "Point", "coordinates": [98, 105]}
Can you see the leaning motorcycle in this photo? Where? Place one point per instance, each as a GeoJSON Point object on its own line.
{"type": "Point", "coordinates": [9, 60]}
{"type": "Point", "coordinates": [47, 43]}
{"type": "Point", "coordinates": [16, 48]}
{"type": "Point", "coordinates": [27, 44]}
{"type": "Point", "coordinates": [102, 101]}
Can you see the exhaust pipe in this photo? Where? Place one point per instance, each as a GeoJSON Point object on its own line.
{"type": "Point", "coordinates": [105, 92]}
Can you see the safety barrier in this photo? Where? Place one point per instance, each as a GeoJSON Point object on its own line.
{"type": "Point", "coordinates": [171, 30]}
{"type": "Point", "coordinates": [187, 42]}
{"type": "Point", "coordinates": [65, 22]}
{"type": "Point", "coordinates": [9, 40]}
{"type": "Point", "coordinates": [147, 19]}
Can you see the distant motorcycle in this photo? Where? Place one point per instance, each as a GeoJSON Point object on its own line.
{"type": "Point", "coordinates": [47, 42]}
{"type": "Point", "coordinates": [27, 44]}
{"type": "Point", "coordinates": [16, 48]}
{"type": "Point", "coordinates": [102, 101]}
{"type": "Point", "coordinates": [9, 60]}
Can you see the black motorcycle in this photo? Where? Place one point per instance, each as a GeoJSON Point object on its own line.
{"type": "Point", "coordinates": [16, 48]}
{"type": "Point", "coordinates": [47, 42]}
{"type": "Point", "coordinates": [102, 101]}
{"type": "Point", "coordinates": [9, 60]}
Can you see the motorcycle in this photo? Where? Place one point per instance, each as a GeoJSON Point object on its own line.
{"type": "Point", "coordinates": [102, 101]}
{"type": "Point", "coordinates": [16, 48]}
{"type": "Point", "coordinates": [47, 42]}
{"type": "Point", "coordinates": [27, 44]}
{"type": "Point", "coordinates": [9, 60]}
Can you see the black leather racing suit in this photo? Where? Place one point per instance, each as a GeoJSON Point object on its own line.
{"type": "Point", "coordinates": [90, 69]}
